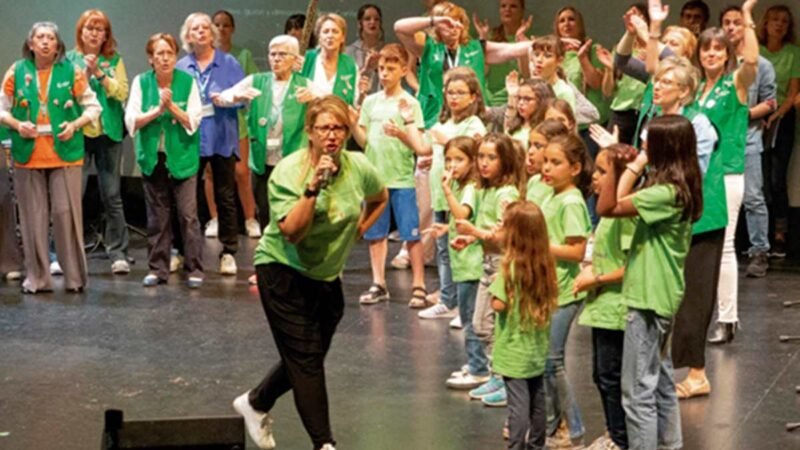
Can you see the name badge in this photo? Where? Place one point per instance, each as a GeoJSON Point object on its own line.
{"type": "Point", "coordinates": [44, 129]}
{"type": "Point", "coordinates": [273, 144]}
{"type": "Point", "coordinates": [208, 110]}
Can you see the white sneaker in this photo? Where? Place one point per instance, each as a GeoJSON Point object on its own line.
{"type": "Point", "coordinates": [253, 228]}
{"type": "Point", "coordinates": [464, 371]}
{"type": "Point", "coordinates": [438, 311]}
{"type": "Point", "coordinates": [402, 261]}
{"type": "Point", "coordinates": [175, 263]}
{"type": "Point", "coordinates": [227, 265]}
{"type": "Point", "coordinates": [212, 228]}
{"type": "Point", "coordinates": [456, 323]}
{"type": "Point", "coordinates": [467, 381]}
{"type": "Point", "coordinates": [252, 280]}
{"type": "Point", "coordinates": [55, 268]}
{"type": "Point", "coordinates": [14, 275]}
{"type": "Point", "coordinates": [259, 425]}
{"type": "Point", "coordinates": [327, 447]}
{"type": "Point", "coordinates": [120, 267]}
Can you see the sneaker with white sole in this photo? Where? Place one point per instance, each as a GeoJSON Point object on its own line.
{"type": "Point", "coordinates": [212, 228]}
{"type": "Point", "coordinates": [438, 311]}
{"type": "Point", "coordinates": [467, 381]}
{"type": "Point", "coordinates": [374, 294]}
{"type": "Point", "coordinates": [434, 297]}
{"type": "Point", "coordinates": [55, 268]}
{"type": "Point", "coordinates": [327, 447]}
{"type": "Point", "coordinates": [253, 228]}
{"type": "Point", "coordinates": [258, 424]}
{"type": "Point", "coordinates": [464, 371]}
{"type": "Point", "coordinates": [496, 399]}
{"type": "Point", "coordinates": [494, 384]}
{"type": "Point", "coordinates": [227, 265]}
{"type": "Point", "coordinates": [13, 275]}
{"type": "Point", "coordinates": [402, 261]}
{"type": "Point", "coordinates": [150, 280]}
{"type": "Point", "coordinates": [456, 323]}
{"type": "Point", "coordinates": [120, 267]}
{"type": "Point", "coordinates": [194, 282]}
{"type": "Point", "coordinates": [175, 263]}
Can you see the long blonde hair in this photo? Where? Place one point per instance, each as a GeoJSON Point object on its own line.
{"type": "Point", "coordinates": [529, 267]}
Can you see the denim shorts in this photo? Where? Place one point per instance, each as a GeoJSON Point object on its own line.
{"type": "Point", "coordinates": [403, 205]}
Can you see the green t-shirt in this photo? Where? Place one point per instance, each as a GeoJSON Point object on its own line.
{"type": "Point", "coordinates": [470, 126]}
{"type": "Point", "coordinates": [322, 253]}
{"type": "Point", "coordinates": [518, 352]}
{"type": "Point", "coordinates": [492, 204]}
{"type": "Point", "coordinates": [574, 73]}
{"type": "Point", "coordinates": [538, 190]}
{"type": "Point", "coordinates": [654, 273]}
{"type": "Point", "coordinates": [496, 94]}
{"type": "Point", "coordinates": [393, 159]}
{"type": "Point", "coordinates": [628, 95]}
{"type": "Point", "coordinates": [522, 135]}
{"type": "Point", "coordinates": [467, 264]}
{"type": "Point", "coordinates": [566, 216]}
{"type": "Point", "coordinates": [245, 58]}
{"type": "Point", "coordinates": [786, 62]}
{"type": "Point", "coordinates": [612, 240]}
{"type": "Point", "coordinates": [563, 91]}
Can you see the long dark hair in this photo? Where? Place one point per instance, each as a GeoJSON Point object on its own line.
{"type": "Point", "coordinates": [543, 93]}
{"type": "Point", "coordinates": [672, 159]}
{"type": "Point", "coordinates": [512, 162]}
{"type": "Point", "coordinates": [576, 153]}
{"type": "Point", "coordinates": [360, 16]}
{"type": "Point", "coordinates": [789, 37]}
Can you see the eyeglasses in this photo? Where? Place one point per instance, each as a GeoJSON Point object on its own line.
{"type": "Point", "coordinates": [280, 55]}
{"type": "Point", "coordinates": [666, 82]}
{"type": "Point", "coordinates": [328, 129]}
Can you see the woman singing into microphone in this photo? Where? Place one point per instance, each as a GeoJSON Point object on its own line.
{"type": "Point", "coordinates": [315, 201]}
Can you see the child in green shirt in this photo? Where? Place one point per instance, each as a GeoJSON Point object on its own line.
{"type": "Point", "coordinates": [653, 284]}
{"type": "Point", "coordinates": [524, 295]}
{"type": "Point", "coordinates": [538, 191]}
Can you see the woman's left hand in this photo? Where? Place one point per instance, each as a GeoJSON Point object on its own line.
{"type": "Point", "coordinates": [67, 131]}
{"type": "Point", "coordinates": [482, 27]}
{"type": "Point", "coordinates": [521, 34]}
{"type": "Point", "coordinates": [571, 44]}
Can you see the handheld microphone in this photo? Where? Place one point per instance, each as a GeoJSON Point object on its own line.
{"type": "Point", "coordinates": [325, 179]}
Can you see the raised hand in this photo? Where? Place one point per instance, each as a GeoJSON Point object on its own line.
{"type": "Point", "coordinates": [521, 34]}
{"type": "Point", "coordinates": [602, 137]}
{"type": "Point", "coordinates": [303, 95]}
{"type": "Point", "coordinates": [658, 12]}
{"type": "Point", "coordinates": [406, 110]}
{"type": "Point", "coordinates": [364, 82]}
{"type": "Point", "coordinates": [604, 56]}
{"type": "Point", "coordinates": [748, 5]}
{"type": "Point", "coordinates": [447, 23]}
{"type": "Point", "coordinates": [512, 83]}
{"type": "Point", "coordinates": [571, 44]}
{"type": "Point", "coordinates": [481, 27]}
{"type": "Point", "coordinates": [639, 27]}
{"type": "Point", "coordinates": [584, 49]}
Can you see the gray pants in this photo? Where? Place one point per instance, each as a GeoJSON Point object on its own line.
{"type": "Point", "coordinates": [10, 250]}
{"type": "Point", "coordinates": [45, 195]}
{"type": "Point", "coordinates": [483, 318]}
{"type": "Point", "coordinates": [527, 419]}
{"type": "Point", "coordinates": [161, 194]}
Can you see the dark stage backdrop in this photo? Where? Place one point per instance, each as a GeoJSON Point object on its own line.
{"type": "Point", "coordinates": [257, 21]}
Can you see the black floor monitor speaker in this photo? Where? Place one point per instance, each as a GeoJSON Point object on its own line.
{"type": "Point", "coordinates": [193, 433]}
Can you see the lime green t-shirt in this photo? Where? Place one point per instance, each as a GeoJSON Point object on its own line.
{"type": "Point", "coordinates": [786, 62]}
{"type": "Point", "coordinates": [564, 92]}
{"type": "Point", "coordinates": [574, 73]}
{"type": "Point", "coordinates": [470, 126]}
{"type": "Point", "coordinates": [492, 204]}
{"type": "Point", "coordinates": [496, 94]}
{"type": "Point", "coordinates": [522, 135]}
{"type": "Point", "coordinates": [612, 240]}
{"type": "Point", "coordinates": [628, 95]}
{"type": "Point", "coordinates": [393, 159]}
{"type": "Point", "coordinates": [654, 273]}
{"type": "Point", "coordinates": [245, 58]}
{"type": "Point", "coordinates": [322, 253]}
{"type": "Point", "coordinates": [518, 352]}
{"type": "Point", "coordinates": [466, 264]}
{"type": "Point", "coordinates": [538, 190]}
{"type": "Point", "coordinates": [566, 216]}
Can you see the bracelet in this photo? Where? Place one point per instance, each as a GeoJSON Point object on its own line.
{"type": "Point", "coordinates": [310, 193]}
{"type": "Point", "coordinates": [431, 22]}
{"type": "Point", "coordinates": [101, 77]}
{"type": "Point", "coordinates": [751, 25]}
{"type": "Point", "coordinates": [655, 36]}
{"type": "Point", "coordinates": [408, 122]}
{"type": "Point", "coordinates": [635, 172]}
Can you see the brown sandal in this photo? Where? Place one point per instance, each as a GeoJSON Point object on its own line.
{"type": "Point", "coordinates": [419, 298]}
{"type": "Point", "coordinates": [689, 388]}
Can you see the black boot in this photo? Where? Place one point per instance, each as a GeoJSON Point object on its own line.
{"type": "Point", "coordinates": [723, 334]}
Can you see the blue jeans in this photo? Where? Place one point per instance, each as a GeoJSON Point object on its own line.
{"type": "Point", "coordinates": [648, 389]}
{"type": "Point", "coordinates": [447, 290]}
{"type": "Point", "coordinates": [755, 206]}
{"type": "Point", "coordinates": [561, 402]}
{"type": "Point", "coordinates": [107, 157]}
{"type": "Point", "coordinates": [607, 373]}
{"type": "Point", "coordinates": [466, 293]}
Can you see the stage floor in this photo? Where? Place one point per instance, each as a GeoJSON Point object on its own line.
{"type": "Point", "coordinates": [171, 352]}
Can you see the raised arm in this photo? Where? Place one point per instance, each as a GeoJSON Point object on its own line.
{"type": "Point", "coordinates": [500, 52]}
{"type": "Point", "coordinates": [748, 69]}
{"type": "Point", "coordinates": [408, 30]}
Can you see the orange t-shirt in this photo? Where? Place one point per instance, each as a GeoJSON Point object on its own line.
{"type": "Point", "coordinates": [44, 154]}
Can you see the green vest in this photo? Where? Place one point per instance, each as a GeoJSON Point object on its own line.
{"type": "Point", "coordinates": [715, 208]}
{"type": "Point", "coordinates": [182, 149]}
{"type": "Point", "coordinates": [431, 74]}
{"type": "Point", "coordinates": [293, 114]}
{"type": "Point", "coordinates": [346, 75]}
{"type": "Point", "coordinates": [731, 118]}
{"type": "Point", "coordinates": [62, 107]}
{"type": "Point", "coordinates": [113, 112]}
{"type": "Point", "coordinates": [646, 112]}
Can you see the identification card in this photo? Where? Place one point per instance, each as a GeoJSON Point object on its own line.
{"type": "Point", "coordinates": [44, 129]}
{"type": "Point", "coordinates": [208, 110]}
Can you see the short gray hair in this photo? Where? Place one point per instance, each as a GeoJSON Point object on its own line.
{"type": "Point", "coordinates": [286, 41]}
{"type": "Point", "coordinates": [185, 28]}
{"type": "Point", "coordinates": [27, 53]}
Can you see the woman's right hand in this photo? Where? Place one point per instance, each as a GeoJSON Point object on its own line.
{"type": "Point", "coordinates": [482, 27]}
{"type": "Point", "coordinates": [658, 12]}
{"type": "Point", "coordinates": [326, 164]}
{"type": "Point", "coordinates": [512, 84]}
{"type": "Point", "coordinates": [447, 23]}
{"type": "Point", "coordinates": [27, 130]}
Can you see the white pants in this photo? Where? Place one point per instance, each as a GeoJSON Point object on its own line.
{"type": "Point", "coordinates": [728, 287]}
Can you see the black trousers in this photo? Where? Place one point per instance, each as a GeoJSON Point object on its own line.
{"type": "Point", "coordinates": [223, 170]}
{"type": "Point", "coordinates": [701, 272]}
{"type": "Point", "coordinates": [527, 418]}
{"type": "Point", "coordinates": [625, 121]}
{"type": "Point", "coordinates": [607, 375]}
{"type": "Point", "coordinates": [260, 195]}
{"type": "Point", "coordinates": [302, 314]}
{"type": "Point", "coordinates": [776, 162]}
